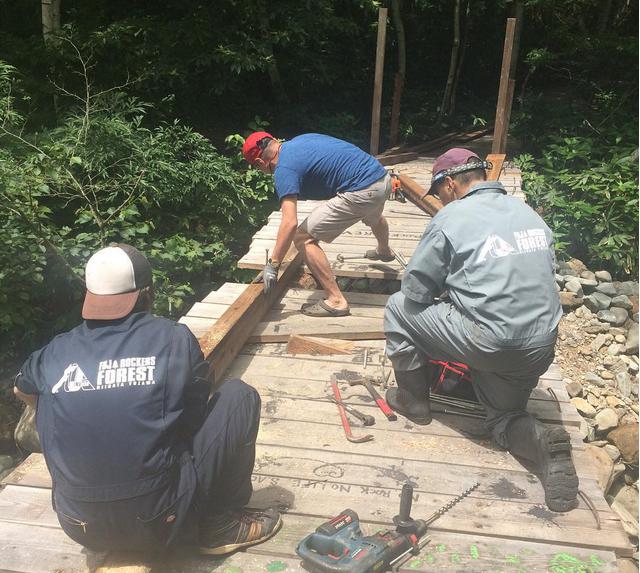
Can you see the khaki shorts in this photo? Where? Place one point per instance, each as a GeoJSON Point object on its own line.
{"type": "Point", "coordinates": [328, 221]}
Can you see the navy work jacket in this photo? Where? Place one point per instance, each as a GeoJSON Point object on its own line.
{"type": "Point", "coordinates": [117, 403]}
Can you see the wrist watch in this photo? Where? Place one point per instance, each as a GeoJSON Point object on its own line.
{"type": "Point", "coordinates": [274, 264]}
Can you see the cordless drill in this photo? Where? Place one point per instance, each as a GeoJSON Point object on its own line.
{"type": "Point", "coordinates": [338, 545]}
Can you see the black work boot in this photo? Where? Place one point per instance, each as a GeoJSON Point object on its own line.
{"type": "Point", "coordinates": [411, 397]}
{"type": "Point", "coordinates": [549, 447]}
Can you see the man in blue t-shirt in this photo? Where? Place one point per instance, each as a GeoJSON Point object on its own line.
{"type": "Point", "coordinates": [355, 186]}
{"type": "Point", "coordinates": [136, 449]}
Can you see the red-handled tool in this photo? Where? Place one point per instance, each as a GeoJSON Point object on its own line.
{"type": "Point", "coordinates": [380, 401]}
{"type": "Point", "coordinates": [343, 416]}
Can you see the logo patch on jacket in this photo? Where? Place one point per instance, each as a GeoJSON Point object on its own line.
{"type": "Point", "coordinates": [133, 371]}
{"type": "Point", "coordinates": [527, 241]}
{"type": "Point", "coordinates": [73, 380]}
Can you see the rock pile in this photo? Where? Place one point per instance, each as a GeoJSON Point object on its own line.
{"type": "Point", "coordinates": [598, 352]}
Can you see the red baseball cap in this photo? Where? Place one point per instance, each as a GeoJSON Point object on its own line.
{"type": "Point", "coordinates": [253, 146]}
{"type": "Point", "coordinates": [454, 157]}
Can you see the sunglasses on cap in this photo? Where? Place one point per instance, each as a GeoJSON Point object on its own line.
{"type": "Point", "coordinates": [451, 172]}
{"type": "Point", "coordinates": [263, 143]}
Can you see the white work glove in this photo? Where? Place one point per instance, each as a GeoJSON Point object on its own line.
{"type": "Point", "coordinates": [269, 277]}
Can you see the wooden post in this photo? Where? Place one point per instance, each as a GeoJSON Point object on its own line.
{"type": "Point", "coordinates": [374, 146]}
{"type": "Point", "coordinates": [507, 117]}
{"type": "Point", "coordinates": [503, 91]}
{"type": "Point", "coordinates": [400, 75]}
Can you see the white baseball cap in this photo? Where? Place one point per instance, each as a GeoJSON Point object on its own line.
{"type": "Point", "coordinates": [114, 277]}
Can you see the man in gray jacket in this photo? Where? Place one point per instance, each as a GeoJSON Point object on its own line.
{"type": "Point", "coordinates": [493, 256]}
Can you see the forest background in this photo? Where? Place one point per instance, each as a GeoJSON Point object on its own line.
{"type": "Point", "coordinates": [123, 122]}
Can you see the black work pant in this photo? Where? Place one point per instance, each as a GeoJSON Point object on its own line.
{"type": "Point", "coordinates": [213, 475]}
{"type": "Point", "coordinates": [224, 448]}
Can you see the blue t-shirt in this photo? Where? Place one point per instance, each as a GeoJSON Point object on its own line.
{"type": "Point", "coordinates": [315, 166]}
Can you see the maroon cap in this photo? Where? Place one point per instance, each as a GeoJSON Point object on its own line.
{"type": "Point", "coordinates": [254, 145]}
{"type": "Point", "coordinates": [449, 160]}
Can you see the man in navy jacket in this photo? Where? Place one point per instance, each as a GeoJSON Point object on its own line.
{"type": "Point", "coordinates": [135, 449]}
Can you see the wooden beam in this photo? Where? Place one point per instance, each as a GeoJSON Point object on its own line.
{"type": "Point", "coordinates": [223, 341]}
{"type": "Point", "coordinates": [314, 345]}
{"type": "Point", "coordinates": [374, 146]}
{"type": "Point", "coordinates": [503, 90]}
{"type": "Point", "coordinates": [457, 136]}
{"type": "Point", "coordinates": [417, 194]}
{"type": "Point", "coordinates": [497, 159]}
{"type": "Point", "coordinates": [402, 157]}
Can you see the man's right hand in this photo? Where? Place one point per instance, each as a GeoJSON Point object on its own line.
{"type": "Point", "coordinates": [269, 277]}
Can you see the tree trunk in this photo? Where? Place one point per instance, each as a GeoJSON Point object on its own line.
{"type": "Point", "coordinates": [604, 14]}
{"type": "Point", "coordinates": [50, 18]}
{"type": "Point", "coordinates": [453, 64]}
{"type": "Point", "coordinates": [463, 51]}
{"type": "Point", "coordinates": [396, 6]}
{"type": "Point", "coordinates": [277, 86]}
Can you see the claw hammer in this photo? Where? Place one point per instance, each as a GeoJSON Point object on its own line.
{"type": "Point", "coordinates": [380, 401]}
{"type": "Point", "coordinates": [343, 416]}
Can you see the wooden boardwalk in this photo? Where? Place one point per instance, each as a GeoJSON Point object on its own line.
{"type": "Point", "coordinates": [306, 467]}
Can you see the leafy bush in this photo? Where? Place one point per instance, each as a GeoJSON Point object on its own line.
{"type": "Point", "coordinates": [105, 174]}
{"type": "Point", "coordinates": [588, 194]}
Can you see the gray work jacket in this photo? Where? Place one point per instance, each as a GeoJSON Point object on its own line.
{"type": "Point", "coordinates": [494, 255]}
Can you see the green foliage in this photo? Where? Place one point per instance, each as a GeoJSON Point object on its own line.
{"type": "Point", "coordinates": [105, 174]}
{"type": "Point", "coordinates": [589, 197]}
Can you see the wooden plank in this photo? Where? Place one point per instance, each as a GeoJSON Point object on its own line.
{"type": "Point", "coordinates": [390, 271]}
{"type": "Point", "coordinates": [350, 248]}
{"type": "Point", "coordinates": [427, 476]}
{"type": "Point", "coordinates": [287, 367]}
{"type": "Point", "coordinates": [221, 344]}
{"type": "Point", "coordinates": [497, 159]}
{"type": "Point", "coordinates": [33, 549]}
{"type": "Point", "coordinates": [298, 294]}
{"type": "Point", "coordinates": [282, 310]}
{"type": "Point", "coordinates": [397, 158]}
{"type": "Point", "coordinates": [279, 331]}
{"type": "Point", "coordinates": [31, 472]}
{"type": "Point", "coordinates": [447, 551]}
{"type": "Point", "coordinates": [499, 518]}
{"type": "Point", "coordinates": [503, 90]}
{"type": "Point", "coordinates": [317, 346]}
{"type": "Point", "coordinates": [354, 328]}
{"type": "Point", "coordinates": [377, 82]}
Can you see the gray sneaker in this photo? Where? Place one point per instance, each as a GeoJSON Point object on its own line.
{"type": "Point", "coordinates": [232, 530]}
